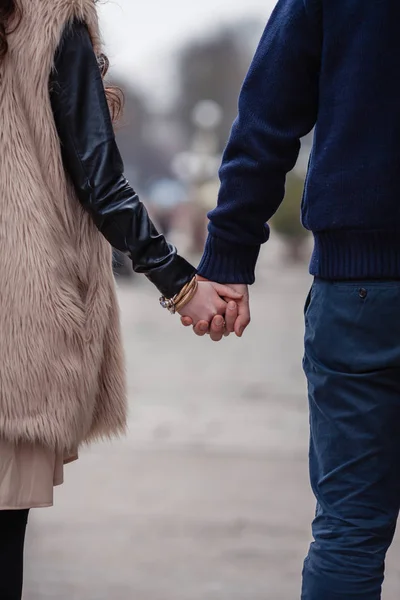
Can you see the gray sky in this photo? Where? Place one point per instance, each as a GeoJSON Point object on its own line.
{"type": "Point", "coordinates": [141, 36]}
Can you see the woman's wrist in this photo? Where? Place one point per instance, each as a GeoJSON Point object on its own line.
{"type": "Point", "coordinates": [170, 277]}
{"type": "Point", "coordinates": [182, 298]}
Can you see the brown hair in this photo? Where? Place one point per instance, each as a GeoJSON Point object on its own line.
{"type": "Point", "coordinates": [10, 9]}
{"type": "Point", "coordinates": [115, 95]}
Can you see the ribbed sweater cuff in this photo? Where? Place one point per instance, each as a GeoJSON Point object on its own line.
{"type": "Point", "coordinates": [225, 262]}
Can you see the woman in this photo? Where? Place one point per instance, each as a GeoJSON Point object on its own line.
{"type": "Point", "coordinates": [64, 200]}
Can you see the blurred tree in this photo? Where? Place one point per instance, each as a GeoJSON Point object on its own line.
{"type": "Point", "coordinates": [213, 68]}
{"type": "Point", "coordinates": [144, 159]}
{"type": "Point", "coordinates": [287, 222]}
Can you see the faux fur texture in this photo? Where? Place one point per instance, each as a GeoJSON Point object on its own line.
{"type": "Point", "coordinates": [62, 378]}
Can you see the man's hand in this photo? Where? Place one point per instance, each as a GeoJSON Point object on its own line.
{"type": "Point", "coordinates": [237, 317]}
{"type": "Point", "coordinates": [243, 308]}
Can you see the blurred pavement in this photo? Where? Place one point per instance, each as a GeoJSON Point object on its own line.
{"type": "Point", "coordinates": [208, 497]}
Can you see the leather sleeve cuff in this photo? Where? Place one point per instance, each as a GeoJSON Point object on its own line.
{"type": "Point", "coordinates": [170, 278]}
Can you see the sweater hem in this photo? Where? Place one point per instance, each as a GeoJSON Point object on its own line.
{"type": "Point", "coordinates": [356, 254]}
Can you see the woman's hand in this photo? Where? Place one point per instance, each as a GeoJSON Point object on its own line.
{"type": "Point", "coordinates": [237, 316]}
{"type": "Point", "coordinates": [208, 302]}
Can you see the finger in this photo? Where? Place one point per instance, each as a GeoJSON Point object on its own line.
{"type": "Point", "coordinates": [226, 291]}
{"type": "Point", "coordinates": [231, 316]}
{"type": "Point", "coordinates": [217, 328]}
{"type": "Point", "coordinates": [201, 328]}
{"type": "Point", "coordinates": [217, 338]}
{"type": "Point", "coordinates": [243, 320]}
{"type": "Point", "coordinates": [221, 306]}
{"type": "Point", "coordinates": [186, 321]}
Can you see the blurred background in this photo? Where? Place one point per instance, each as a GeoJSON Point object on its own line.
{"type": "Point", "coordinates": [207, 498]}
{"type": "Point", "coordinates": [181, 67]}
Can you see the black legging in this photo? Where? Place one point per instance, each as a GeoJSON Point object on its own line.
{"type": "Point", "coordinates": [12, 538]}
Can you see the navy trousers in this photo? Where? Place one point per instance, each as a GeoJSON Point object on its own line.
{"type": "Point", "coordinates": [352, 364]}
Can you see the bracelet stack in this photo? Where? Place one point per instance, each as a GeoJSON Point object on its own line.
{"type": "Point", "coordinates": [180, 300]}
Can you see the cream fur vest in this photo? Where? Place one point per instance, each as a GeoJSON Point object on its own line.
{"type": "Point", "coordinates": [62, 377]}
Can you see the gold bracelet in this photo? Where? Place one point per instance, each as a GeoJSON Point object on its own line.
{"type": "Point", "coordinates": [188, 293]}
{"type": "Point", "coordinates": [186, 299]}
{"type": "Point", "coordinates": [171, 303]}
{"type": "Point", "coordinates": [183, 292]}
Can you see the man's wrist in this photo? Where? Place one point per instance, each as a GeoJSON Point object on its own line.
{"type": "Point", "coordinates": [228, 262]}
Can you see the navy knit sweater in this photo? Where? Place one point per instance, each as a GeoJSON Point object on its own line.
{"type": "Point", "coordinates": [334, 64]}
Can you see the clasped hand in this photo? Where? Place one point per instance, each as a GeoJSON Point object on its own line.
{"type": "Point", "coordinates": [217, 309]}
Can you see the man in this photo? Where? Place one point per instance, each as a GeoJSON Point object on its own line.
{"type": "Point", "coordinates": [334, 65]}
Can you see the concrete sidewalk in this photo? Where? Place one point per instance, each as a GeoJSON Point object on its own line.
{"type": "Point", "coordinates": [208, 497]}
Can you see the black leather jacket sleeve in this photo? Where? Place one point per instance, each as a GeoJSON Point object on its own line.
{"type": "Point", "coordinates": [93, 162]}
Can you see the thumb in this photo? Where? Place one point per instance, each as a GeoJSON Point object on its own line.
{"type": "Point", "coordinates": [226, 292]}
